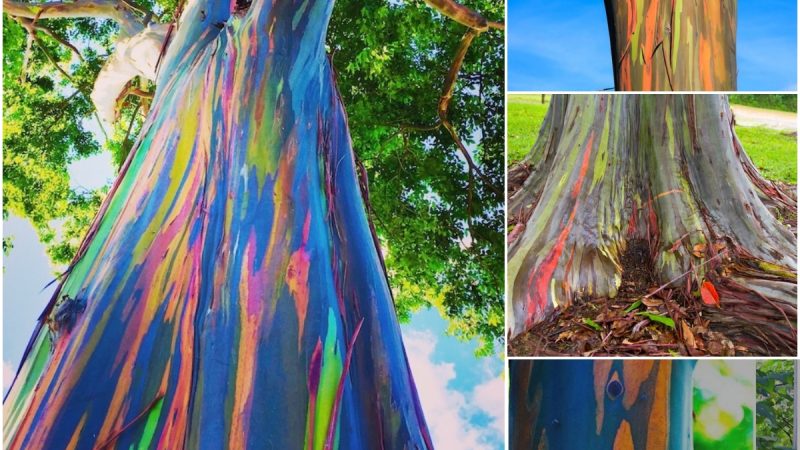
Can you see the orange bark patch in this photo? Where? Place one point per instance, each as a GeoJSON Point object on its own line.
{"type": "Point", "coordinates": [649, 44]}
{"type": "Point", "coordinates": [631, 17]}
{"type": "Point", "coordinates": [658, 423]}
{"type": "Point", "coordinates": [297, 280]}
{"type": "Point", "coordinates": [601, 370]}
{"type": "Point", "coordinates": [705, 63]}
{"type": "Point", "coordinates": [635, 373]}
{"type": "Point", "coordinates": [297, 277]}
{"type": "Point", "coordinates": [542, 275]}
{"type": "Point", "coordinates": [624, 439]}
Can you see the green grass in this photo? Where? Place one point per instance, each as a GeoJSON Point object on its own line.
{"type": "Point", "coordinates": [779, 102]}
{"type": "Point", "coordinates": [525, 117]}
{"type": "Point", "coordinates": [773, 152]}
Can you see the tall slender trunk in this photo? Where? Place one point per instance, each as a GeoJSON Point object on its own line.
{"type": "Point", "coordinates": [230, 293]}
{"type": "Point", "coordinates": [601, 404]}
{"type": "Point", "coordinates": [673, 45]}
{"type": "Point", "coordinates": [796, 422]}
{"type": "Point", "coordinates": [610, 170]}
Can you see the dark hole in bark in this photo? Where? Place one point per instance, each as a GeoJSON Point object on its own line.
{"type": "Point", "coordinates": [65, 315]}
{"type": "Point", "coordinates": [637, 268]}
{"type": "Point", "coordinates": [243, 5]}
{"type": "Point", "coordinates": [614, 389]}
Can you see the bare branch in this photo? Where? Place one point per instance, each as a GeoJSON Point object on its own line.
{"type": "Point", "coordinates": [463, 15]}
{"type": "Point", "coordinates": [31, 28]}
{"type": "Point", "coordinates": [444, 105]}
{"type": "Point", "coordinates": [452, 75]}
{"type": "Point", "coordinates": [58, 39]}
{"type": "Point", "coordinates": [101, 9]}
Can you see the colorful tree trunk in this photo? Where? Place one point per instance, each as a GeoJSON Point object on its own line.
{"type": "Point", "coordinates": [601, 404]}
{"type": "Point", "coordinates": [230, 293]}
{"type": "Point", "coordinates": [673, 45]}
{"type": "Point", "coordinates": [610, 170]}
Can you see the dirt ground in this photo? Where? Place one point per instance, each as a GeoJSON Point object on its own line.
{"type": "Point", "coordinates": [756, 117]}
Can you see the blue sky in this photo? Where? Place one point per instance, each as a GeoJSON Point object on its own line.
{"type": "Point", "coordinates": [463, 397]}
{"type": "Point", "coordinates": [563, 45]}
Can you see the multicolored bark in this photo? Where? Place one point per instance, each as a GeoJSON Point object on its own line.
{"type": "Point", "coordinates": [608, 170]}
{"type": "Point", "coordinates": [601, 404]}
{"type": "Point", "coordinates": [673, 45]}
{"type": "Point", "coordinates": [230, 293]}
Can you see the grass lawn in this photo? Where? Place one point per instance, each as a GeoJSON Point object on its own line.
{"type": "Point", "coordinates": [773, 152]}
{"type": "Point", "coordinates": [525, 117]}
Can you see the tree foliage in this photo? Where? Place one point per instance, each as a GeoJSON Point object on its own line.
{"type": "Point", "coordinates": [440, 224]}
{"type": "Point", "coordinates": [775, 407]}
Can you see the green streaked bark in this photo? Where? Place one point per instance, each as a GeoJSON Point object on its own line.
{"type": "Point", "coordinates": [669, 170]}
{"type": "Point", "coordinates": [675, 45]}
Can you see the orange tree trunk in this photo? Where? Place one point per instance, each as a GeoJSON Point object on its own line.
{"type": "Point", "coordinates": [673, 45]}
{"type": "Point", "coordinates": [600, 405]}
{"type": "Point", "coordinates": [608, 170]}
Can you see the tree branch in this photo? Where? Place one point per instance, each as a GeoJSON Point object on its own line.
{"type": "Point", "coordinates": [57, 38]}
{"type": "Point", "coordinates": [464, 15]}
{"type": "Point", "coordinates": [444, 105]}
{"type": "Point", "coordinates": [101, 9]}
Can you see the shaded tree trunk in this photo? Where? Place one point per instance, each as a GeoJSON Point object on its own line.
{"type": "Point", "coordinates": [610, 170]}
{"type": "Point", "coordinates": [229, 294]}
{"type": "Point", "coordinates": [675, 45]}
{"type": "Point", "coordinates": [601, 404]}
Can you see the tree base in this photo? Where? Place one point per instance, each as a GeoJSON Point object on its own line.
{"type": "Point", "coordinates": [656, 189]}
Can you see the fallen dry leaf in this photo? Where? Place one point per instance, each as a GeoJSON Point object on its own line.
{"type": "Point", "coordinates": [651, 302]}
{"type": "Point", "coordinates": [709, 294]}
{"type": "Point", "coordinates": [688, 336]}
{"type": "Point", "coordinates": [699, 250]}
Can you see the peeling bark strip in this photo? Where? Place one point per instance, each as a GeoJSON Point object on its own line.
{"type": "Point", "coordinates": [234, 297]}
{"type": "Point", "coordinates": [667, 169]}
{"type": "Point", "coordinates": [673, 45]}
{"type": "Point", "coordinates": [600, 405]}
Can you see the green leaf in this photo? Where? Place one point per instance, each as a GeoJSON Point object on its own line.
{"type": "Point", "coordinates": [592, 324]}
{"type": "Point", "coordinates": [634, 306]}
{"type": "Point", "coordinates": [660, 319]}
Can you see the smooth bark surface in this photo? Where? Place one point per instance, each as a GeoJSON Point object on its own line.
{"type": "Point", "coordinates": [600, 405]}
{"type": "Point", "coordinates": [608, 170]}
{"type": "Point", "coordinates": [230, 293]}
{"type": "Point", "coordinates": [673, 45]}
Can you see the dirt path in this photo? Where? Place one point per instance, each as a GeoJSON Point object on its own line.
{"type": "Point", "coordinates": [756, 117]}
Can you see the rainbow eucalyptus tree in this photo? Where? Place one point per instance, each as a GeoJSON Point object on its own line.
{"type": "Point", "coordinates": [602, 404]}
{"type": "Point", "coordinates": [609, 173]}
{"type": "Point", "coordinates": [230, 293]}
{"type": "Point", "coordinates": [677, 45]}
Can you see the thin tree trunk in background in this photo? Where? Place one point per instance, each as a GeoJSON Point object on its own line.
{"type": "Point", "coordinates": [673, 45]}
{"type": "Point", "coordinates": [668, 170]}
{"type": "Point", "coordinates": [230, 294]}
{"type": "Point", "coordinates": [601, 404]}
{"type": "Point", "coordinates": [796, 418]}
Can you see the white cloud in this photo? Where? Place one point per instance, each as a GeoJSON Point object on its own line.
{"type": "Point", "coordinates": [447, 410]}
{"type": "Point", "coordinates": [489, 397]}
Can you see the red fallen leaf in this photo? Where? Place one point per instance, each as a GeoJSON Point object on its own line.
{"type": "Point", "coordinates": [709, 294]}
